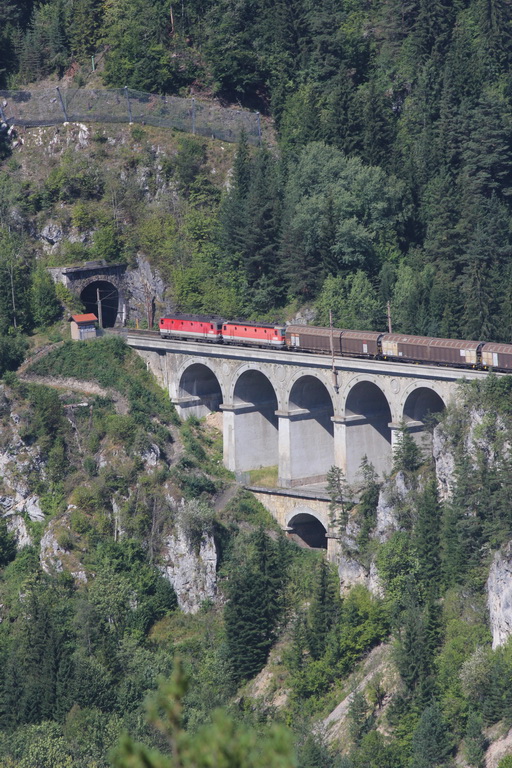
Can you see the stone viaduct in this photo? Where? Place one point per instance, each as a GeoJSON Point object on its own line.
{"type": "Point", "coordinates": [290, 410]}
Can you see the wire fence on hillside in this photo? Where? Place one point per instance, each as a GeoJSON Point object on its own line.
{"type": "Point", "coordinates": [123, 105]}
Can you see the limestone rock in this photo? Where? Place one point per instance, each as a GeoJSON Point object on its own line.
{"type": "Point", "coordinates": [191, 570]}
{"type": "Point", "coordinates": [444, 462]}
{"type": "Point", "coordinates": [145, 286]}
{"type": "Point", "coordinates": [351, 572]}
{"type": "Point", "coordinates": [16, 524]}
{"type": "Point", "coordinates": [394, 491]}
{"type": "Point", "coordinates": [499, 596]}
{"type": "Point", "coordinates": [50, 554]}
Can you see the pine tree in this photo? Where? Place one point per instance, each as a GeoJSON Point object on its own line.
{"type": "Point", "coordinates": [474, 741]}
{"type": "Point", "coordinates": [427, 539]}
{"type": "Point", "coordinates": [406, 454]}
{"type": "Point", "coordinates": [431, 745]}
{"type": "Point", "coordinates": [323, 611]}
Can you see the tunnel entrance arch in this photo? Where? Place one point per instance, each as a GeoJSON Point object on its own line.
{"type": "Point", "coordinates": [421, 405]}
{"type": "Point", "coordinates": [307, 531]}
{"type": "Point", "coordinates": [310, 432]}
{"type": "Point", "coordinates": [255, 425]}
{"type": "Point", "coordinates": [101, 297]}
{"type": "Point", "coordinates": [367, 420]}
{"type": "Point", "coordinates": [199, 391]}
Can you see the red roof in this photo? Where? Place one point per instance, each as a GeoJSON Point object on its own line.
{"type": "Point", "coordinates": [90, 318]}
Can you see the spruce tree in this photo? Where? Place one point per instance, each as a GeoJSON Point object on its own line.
{"type": "Point", "coordinates": [474, 741]}
{"type": "Point", "coordinates": [427, 539]}
{"type": "Point", "coordinates": [431, 744]}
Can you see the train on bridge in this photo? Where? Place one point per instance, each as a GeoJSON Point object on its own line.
{"type": "Point", "coordinates": [368, 344]}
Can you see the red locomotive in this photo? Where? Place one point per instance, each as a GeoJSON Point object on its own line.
{"type": "Point", "coordinates": [191, 327]}
{"type": "Point", "coordinates": [252, 333]}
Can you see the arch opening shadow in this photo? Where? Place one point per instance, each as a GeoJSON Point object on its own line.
{"type": "Point", "coordinates": [109, 300]}
{"type": "Point", "coordinates": [307, 531]}
{"type": "Point", "coordinates": [311, 443]}
{"type": "Point", "coordinates": [256, 436]}
{"type": "Point", "coordinates": [368, 416]}
{"type": "Point", "coordinates": [422, 404]}
{"type": "Point", "coordinates": [201, 387]}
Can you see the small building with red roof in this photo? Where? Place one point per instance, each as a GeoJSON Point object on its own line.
{"type": "Point", "coordinates": [83, 327]}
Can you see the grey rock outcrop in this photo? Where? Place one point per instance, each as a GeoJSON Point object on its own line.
{"type": "Point", "coordinates": [190, 569]}
{"type": "Point", "coordinates": [393, 492]}
{"type": "Point", "coordinates": [499, 596]}
{"type": "Point", "coordinates": [145, 286]}
{"type": "Point", "coordinates": [444, 462]}
{"type": "Point", "coordinates": [50, 553]}
{"type": "Point", "coordinates": [17, 525]}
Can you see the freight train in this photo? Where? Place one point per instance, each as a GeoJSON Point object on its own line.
{"type": "Point", "coordinates": [483, 355]}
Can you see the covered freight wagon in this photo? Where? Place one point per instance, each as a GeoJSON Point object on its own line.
{"type": "Point", "coordinates": [361, 343]}
{"type": "Point", "coordinates": [313, 339]}
{"type": "Point", "coordinates": [426, 349]}
{"type": "Point", "coordinates": [497, 356]}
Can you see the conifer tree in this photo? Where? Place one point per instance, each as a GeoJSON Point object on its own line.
{"type": "Point", "coordinates": [427, 539]}
{"type": "Point", "coordinates": [431, 745]}
{"type": "Point", "coordinates": [474, 741]}
{"type": "Point", "coordinates": [323, 611]}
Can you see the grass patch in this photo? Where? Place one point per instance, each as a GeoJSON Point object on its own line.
{"type": "Point", "coordinates": [266, 477]}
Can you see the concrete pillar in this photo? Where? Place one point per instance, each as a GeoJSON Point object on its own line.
{"type": "Point", "coordinates": [340, 443]}
{"type": "Point", "coordinates": [250, 437]}
{"type": "Point", "coordinates": [228, 433]}
{"type": "Point", "coordinates": [364, 438]}
{"type": "Point", "coordinates": [284, 450]}
{"type": "Point", "coordinates": [333, 547]}
{"type": "Point", "coordinates": [306, 446]}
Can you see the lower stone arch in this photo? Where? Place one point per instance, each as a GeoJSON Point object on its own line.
{"type": "Point", "coordinates": [199, 390]}
{"type": "Point", "coordinates": [306, 528]}
{"type": "Point", "coordinates": [367, 420]}
{"type": "Point", "coordinates": [101, 297]}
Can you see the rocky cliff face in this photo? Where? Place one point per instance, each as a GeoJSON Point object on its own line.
{"type": "Point", "coordinates": [18, 462]}
{"type": "Point", "coordinates": [191, 568]}
{"type": "Point", "coordinates": [354, 569]}
{"type": "Point", "coordinates": [499, 596]}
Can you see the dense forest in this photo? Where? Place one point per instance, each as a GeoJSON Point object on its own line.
{"type": "Point", "coordinates": [387, 178]}
{"type": "Point", "coordinates": [392, 175]}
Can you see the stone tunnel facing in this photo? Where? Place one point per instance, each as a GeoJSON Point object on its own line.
{"type": "Point", "coordinates": [102, 299]}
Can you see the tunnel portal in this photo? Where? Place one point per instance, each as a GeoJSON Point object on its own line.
{"type": "Point", "coordinates": [104, 294]}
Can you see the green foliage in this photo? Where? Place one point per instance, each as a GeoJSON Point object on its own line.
{"type": "Point", "coordinates": [352, 630]}
{"type": "Point", "coordinates": [223, 742]}
{"type": "Point", "coordinates": [255, 605]}
{"type": "Point", "coordinates": [431, 741]}
{"type": "Point", "coordinates": [12, 352]}
{"type": "Point", "coordinates": [46, 307]}
{"type": "Point", "coordinates": [406, 453]}
{"type": "Point", "coordinates": [7, 544]}
{"type": "Point", "coordinates": [339, 494]}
